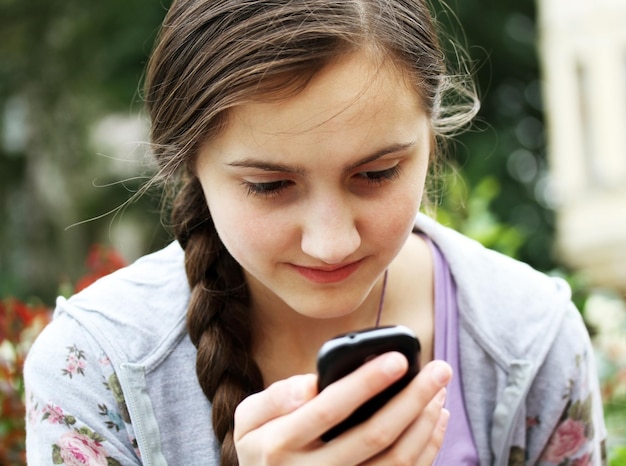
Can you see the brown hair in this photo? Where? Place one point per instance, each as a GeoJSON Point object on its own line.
{"type": "Point", "coordinates": [213, 55]}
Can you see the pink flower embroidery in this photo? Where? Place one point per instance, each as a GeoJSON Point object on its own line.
{"type": "Point", "coordinates": [565, 442]}
{"type": "Point", "coordinates": [75, 365]}
{"type": "Point", "coordinates": [33, 416]}
{"type": "Point", "coordinates": [583, 461]}
{"type": "Point", "coordinates": [53, 414]}
{"type": "Point", "coordinates": [104, 360]}
{"type": "Point", "coordinates": [77, 449]}
{"type": "Point", "coordinates": [75, 362]}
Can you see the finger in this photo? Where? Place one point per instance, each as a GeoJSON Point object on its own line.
{"type": "Point", "coordinates": [427, 458]}
{"type": "Point", "coordinates": [418, 441]}
{"type": "Point", "coordinates": [337, 401]}
{"type": "Point", "coordinates": [278, 399]}
{"type": "Point", "coordinates": [385, 427]}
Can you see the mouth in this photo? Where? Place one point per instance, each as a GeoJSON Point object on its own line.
{"type": "Point", "coordinates": [325, 275]}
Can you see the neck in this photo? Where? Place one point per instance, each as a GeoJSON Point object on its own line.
{"type": "Point", "coordinates": [286, 342]}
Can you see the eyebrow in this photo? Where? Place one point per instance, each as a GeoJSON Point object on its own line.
{"type": "Point", "coordinates": [279, 167]}
{"type": "Point", "coordinates": [392, 149]}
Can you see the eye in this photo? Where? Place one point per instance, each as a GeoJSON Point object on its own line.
{"type": "Point", "coordinates": [380, 176]}
{"type": "Point", "coordinates": [269, 189]}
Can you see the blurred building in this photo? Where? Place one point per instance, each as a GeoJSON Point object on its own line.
{"type": "Point", "coordinates": [583, 49]}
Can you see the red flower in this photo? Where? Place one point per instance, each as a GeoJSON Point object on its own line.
{"type": "Point", "coordinates": [565, 442]}
{"type": "Point", "coordinates": [101, 261]}
{"type": "Point", "coordinates": [19, 325]}
{"type": "Point", "coordinates": [15, 316]}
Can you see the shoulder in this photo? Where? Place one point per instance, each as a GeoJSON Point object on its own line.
{"type": "Point", "coordinates": [71, 399]}
{"type": "Point", "coordinates": [486, 270]}
{"type": "Point", "coordinates": [511, 309]}
{"type": "Point", "coordinates": [135, 311]}
{"type": "Point", "coordinates": [521, 338]}
{"type": "Point", "coordinates": [470, 259]}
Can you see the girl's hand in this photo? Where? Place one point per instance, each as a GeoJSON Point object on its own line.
{"type": "Point", "coordinates": [282, 425]}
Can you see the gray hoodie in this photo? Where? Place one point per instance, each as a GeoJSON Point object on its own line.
{"type": "Point", "coordinates": [112, 379]}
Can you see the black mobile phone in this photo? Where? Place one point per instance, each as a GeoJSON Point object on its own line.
{"type": "Point", "coordinates": [345, 353]}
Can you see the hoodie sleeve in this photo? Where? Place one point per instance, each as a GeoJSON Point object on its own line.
{"type": "Point", "coordinates": [577, 435]}
{"type": "Point", "coordinates": [75, 410]}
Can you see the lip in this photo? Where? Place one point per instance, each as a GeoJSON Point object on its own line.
{"type": "Point", "coordinates": [326, 275]}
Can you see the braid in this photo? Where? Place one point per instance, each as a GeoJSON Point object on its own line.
{"type": "Point", "coordinates": [217, 316]}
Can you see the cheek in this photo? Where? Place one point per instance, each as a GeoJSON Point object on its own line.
{"type": "Point", "coordinates": [249, 234]}
{"type": "Point", "coordinates": [392, 221]}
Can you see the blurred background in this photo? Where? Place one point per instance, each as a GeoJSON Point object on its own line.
{"type": "Point", "coordinates": [541, 176]}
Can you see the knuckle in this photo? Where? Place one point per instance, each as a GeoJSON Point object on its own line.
{"type": "Point", "coordinates": [326, 416]}
{"type": "Point", "coordinates": [274, 450]}
{"type": "Point", "coordinates": [433, 411]}
{"type": "Point", "coordinates": [400, 459]}
{"type": "Point", "coordinates": [275, 396]}
{"type": "Point", "coordinates": [378, 437]}
{"type": "Point", "coordinates": [276, 390]}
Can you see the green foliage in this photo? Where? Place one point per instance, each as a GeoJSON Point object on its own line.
{"type": "Point", "coordinates": [504, 153]}
{"type": "Point", "coordinates": [65, 64]}
{"type": "Point", "coordinates": [470, 214]}
{"type": "Point", "coordinates": [618, 457]}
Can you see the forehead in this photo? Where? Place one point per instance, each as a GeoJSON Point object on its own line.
{"type": "Point", "coordinates": [355, 88]}
{"type": "Point", "coordinates": [352, 107]}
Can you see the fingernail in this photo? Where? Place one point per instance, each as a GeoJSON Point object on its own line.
{"type": "Point", "coordinates": [442, 373]}
{"type": "Point", "coordinates": [394, 364]}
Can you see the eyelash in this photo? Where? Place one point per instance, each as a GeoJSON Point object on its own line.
{"type": "Point", "coordinates": [271, 189]}
{"type": "Point", "coordinates": [379, 177]}
{"type": "Point", "coordinates": [274, 188]}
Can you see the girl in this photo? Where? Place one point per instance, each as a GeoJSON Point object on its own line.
{"type": "Point", "coordinates": [297, 136]}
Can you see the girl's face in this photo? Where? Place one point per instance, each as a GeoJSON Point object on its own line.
{"type": "Point", "coordinates": [315, 195]}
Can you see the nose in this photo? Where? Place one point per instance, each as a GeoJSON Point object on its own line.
{"type": "Point", "coordinates": [330, 232]}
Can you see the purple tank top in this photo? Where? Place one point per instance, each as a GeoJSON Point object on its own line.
{"type": "Point", "coordinates": [458, 446]}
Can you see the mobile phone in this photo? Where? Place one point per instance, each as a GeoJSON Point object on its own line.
{"type": "Point", "coordinates": [345, 353]}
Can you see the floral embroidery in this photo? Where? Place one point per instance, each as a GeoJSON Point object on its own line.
{"type": "Point", "coordinates": [115, 420]}
{"type": "Point", "coordinates": [574, 431]}
{"type": "Point", "coordinates": [113, 384]}
{"type": "Point", "coordinates": [76, 362]}
{"type": "Point", "coordinates": [81, 447]}
{"type": "Point", "coordinates": [583, 461]}
{"type": "Point", "coordinates": [55, 415]}
{"type": "Point", "coordinates": [77, 444]}
{"type": "Point", "coordinates": [566, 441]}
{"type": "Point", "coordinates": [32, 411]}
{"type": "Point", "coordinates": [517, 456]}
{"type": "Point", "coordinates": [104, 360]}
{"type": "Point", "coordinates": [532, 421]}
